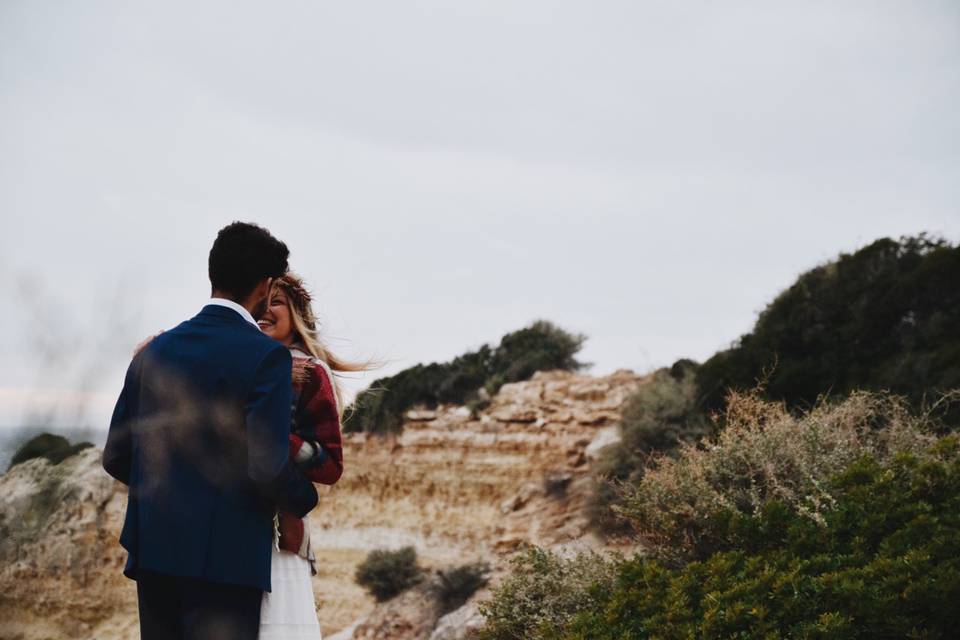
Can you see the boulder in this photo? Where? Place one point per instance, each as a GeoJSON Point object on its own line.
{"type": "Point", "coordinates": [605, 437]}
{"type": "Point", "coordinates": [514, 413]}
{"type": "Point", "coordinates": [459, 624]}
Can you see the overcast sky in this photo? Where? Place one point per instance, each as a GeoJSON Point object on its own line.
{"type": "Point", "coordinates": [648, 173]}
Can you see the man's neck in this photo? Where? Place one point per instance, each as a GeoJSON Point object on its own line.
{"type": "Point", "coordinates": [246, 304]}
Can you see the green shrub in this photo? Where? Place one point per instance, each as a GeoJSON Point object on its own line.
{"type": "Point", "coordinates": [455, 586]}
{"type": "Point", "coordinates": [765, 453]}
{"type": "Point", "coordinates": [542, 594]}
{"type": "Point", "coordinates": [656, 418]}
{"type": "Point", "coordinates": [539, 347]}
{"type": "Point", "coordinates": [883, 318]}
{"type": "Point", "coordinates": [662, 414]}
{"type": "Point", "coordinates": [614, 467]}
{"type": "Point", "coordinates": [882, 563]}
{"type": "Point", "coordinates": [387, 573]}
{"type": "Point", "coordinates": [54, 448]}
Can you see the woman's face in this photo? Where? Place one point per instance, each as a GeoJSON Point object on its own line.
{"type": "Point", "coordinates": [276, 321]}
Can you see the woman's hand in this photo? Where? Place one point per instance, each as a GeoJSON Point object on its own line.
{"type": "Point", "coordinates": [301, 450]}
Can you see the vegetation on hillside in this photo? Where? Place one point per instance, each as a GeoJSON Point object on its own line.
{"type": "Point", "coordinates": [824, 502]}
{"type": "Point", "coordinates": [882, 564]}
{"type": "Point", "coordinates": [656, 419]}
{"type": "Point", "coordinates": [52, 447]}
{"type": "Point", "coordinates": [839, 523]}
{"type": "Point", "coordinates": [467, 379]}
{"type": "Point", "coordinates": [543, 593]}
{"type": "Point", "coordinates": [764, 453]}
{"type": "Point", "coordinates": [886, 317]}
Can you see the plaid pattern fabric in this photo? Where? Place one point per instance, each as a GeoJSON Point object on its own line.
{"type": "Point", "coordinates": [315, 420]}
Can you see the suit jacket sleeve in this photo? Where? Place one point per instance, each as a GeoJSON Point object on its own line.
{"type": "Point", "coordinates": [118, 451]}
{"type": "Point", "coordinates": [268, 428]}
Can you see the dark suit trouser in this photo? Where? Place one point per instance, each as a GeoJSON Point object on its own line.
{"type": "Point", "coordinates": [176, 608]}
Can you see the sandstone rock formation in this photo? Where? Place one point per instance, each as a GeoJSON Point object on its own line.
{"type": "Point", "coordinates": [457, 487]}
{"type": "Point", "coordinates": [60, 564]}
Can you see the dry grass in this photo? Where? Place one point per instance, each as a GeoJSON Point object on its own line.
{"type": "Point", "coordinates": [762, 453]}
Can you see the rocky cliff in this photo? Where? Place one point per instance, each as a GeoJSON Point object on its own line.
{"type": "Point", "coordinates": [457, 487]}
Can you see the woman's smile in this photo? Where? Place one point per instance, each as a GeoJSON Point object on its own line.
{"type": "Point", "coordinates": [275, 321]}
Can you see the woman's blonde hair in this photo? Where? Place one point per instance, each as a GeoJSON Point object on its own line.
{"type": "Point", "coordinates": [308, 336]}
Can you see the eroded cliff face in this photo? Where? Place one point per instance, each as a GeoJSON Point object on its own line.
{"type": "Point", "coordinates": [60, 563]}
{"type": "Point", "coordinates": [458, 489]}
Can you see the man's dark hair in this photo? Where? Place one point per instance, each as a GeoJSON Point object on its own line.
{"type": "Point", "coordinates": [242, 255]}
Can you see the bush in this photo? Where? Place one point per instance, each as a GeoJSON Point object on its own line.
{"type": "Point", "coordinates": [542, 594]}
{"type": "Point", "coordinates": [657, 418]}
{"type": "Point", "coordinates": [458, 584]}
{"type": "Point", "coordinates": [614, 466]}
{"type": "Point", "coordinates": [540, 347]}
{"type": "Point", "coordinates": [54, 448]}
{"type": "Point", "coordinates": [387, 573]}
{"type": "Point", "coordinates": [662, 414]}
{"type": "Point", "coordinates": [842, 522]}
{"type": "Point", "coordinates": [882, 563]}
{"type": "Point", "coordinates": [765, 453]}
{"type": "Point", "coordinates": [467, 379]}
{"type": "Point", "coordinates": [883, 318]}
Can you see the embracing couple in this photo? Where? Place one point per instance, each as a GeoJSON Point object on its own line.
{"type": "Point", "coordinates": [222, 427]}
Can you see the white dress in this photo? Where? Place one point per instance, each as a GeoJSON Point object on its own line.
{"type": "Point", "coordinates": [288, 611]}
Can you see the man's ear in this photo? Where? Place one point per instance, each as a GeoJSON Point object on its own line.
{"type": "Point", "coordinates": [261, 291]}
{"type": "Point", "coordinates": [265, 287]}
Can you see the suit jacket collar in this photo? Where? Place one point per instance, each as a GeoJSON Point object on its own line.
{"type": "Point", "coordinates": [225, 313]}
{"type": "Point", "coordinates": [238, 308]}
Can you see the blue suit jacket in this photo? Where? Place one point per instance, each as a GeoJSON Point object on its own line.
{"type": "Point", "coordinates": [200, 435]}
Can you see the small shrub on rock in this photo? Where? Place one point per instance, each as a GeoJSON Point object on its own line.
{"type": "Point", "coordinates": [457, 585]}
{"type": "Point", "coordinates": [54, 448]}
{"type": "Point", "coordinates": [386, 573]}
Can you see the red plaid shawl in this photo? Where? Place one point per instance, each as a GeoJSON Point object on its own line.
{"type": "Point", "coordinates": [315, 419]}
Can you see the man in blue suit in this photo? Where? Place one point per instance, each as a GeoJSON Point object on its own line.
{"type": "Point", "coordinates": [200, 436]}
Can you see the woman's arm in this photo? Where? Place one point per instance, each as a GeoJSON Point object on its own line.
{"type": "Point", "coordinates": [316, 443]}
